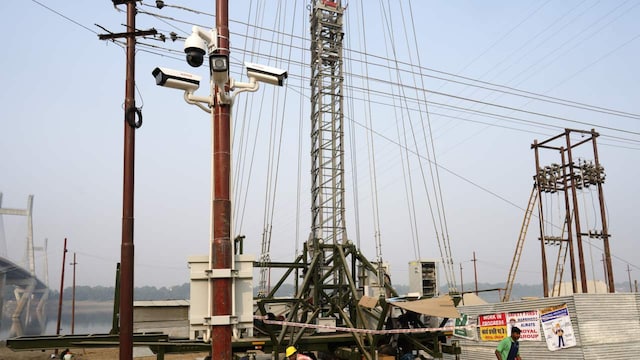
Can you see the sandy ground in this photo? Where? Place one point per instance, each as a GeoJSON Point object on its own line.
{"type": "Point", "coordinates": [91, 354]}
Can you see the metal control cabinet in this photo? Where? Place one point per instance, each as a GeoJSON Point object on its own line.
{"type": "Point", "coordinates": [369, 282]}
{"type": "Point", "coordinates": [199, 314]}
{"type": "Point", "coordinates": [423, 277]}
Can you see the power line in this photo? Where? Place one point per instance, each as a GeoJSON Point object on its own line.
{"type": "Point", "coordinates": [64, 16]}
{"type": "Point", "coordinates": [551, 116]}
{"type": "Point", "coordinates": [506, 89]}
{"type": "Point", "coordinates": [511, 90]}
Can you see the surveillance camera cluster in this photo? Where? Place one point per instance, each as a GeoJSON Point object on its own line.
{"type": "Point", "coordinates": [196, 46]}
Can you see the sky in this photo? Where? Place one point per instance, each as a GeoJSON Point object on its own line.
{"type": "Point", "coordinates": [411, 68]}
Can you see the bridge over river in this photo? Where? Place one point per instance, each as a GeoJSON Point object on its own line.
{"type": "Point", "coordinates": [31, 294]}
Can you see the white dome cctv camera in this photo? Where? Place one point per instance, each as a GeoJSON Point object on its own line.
{"type": "Point", "coordinates": [195, 48]}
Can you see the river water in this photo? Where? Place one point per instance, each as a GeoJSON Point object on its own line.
{"type": "Point", "coordinates": [96, 326]}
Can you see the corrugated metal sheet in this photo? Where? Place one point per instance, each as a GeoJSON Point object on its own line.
{"type": "Point", "coordinates": [609, 325]}
{"type": "Point", "coordinates": [606, 326]}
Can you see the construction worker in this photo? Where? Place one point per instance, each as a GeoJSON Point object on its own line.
{"type": "Point", "coordinates": [292, 354]}
{"type": "Point", "coordinates": [63, 354]}
{"type": "Point", "coordinates": [509, 347]}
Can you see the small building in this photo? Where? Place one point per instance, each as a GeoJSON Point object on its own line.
{"type": "Point", "coordinates": [170, 317]}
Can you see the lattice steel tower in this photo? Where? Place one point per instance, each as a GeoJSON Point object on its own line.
{"type": "Point", "coordinates": [327, 133]}
{"type": "Point", "coordinates": [335, 274]}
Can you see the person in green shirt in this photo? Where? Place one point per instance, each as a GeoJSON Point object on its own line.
{"type": "Point", "coordinates": [509, 347]}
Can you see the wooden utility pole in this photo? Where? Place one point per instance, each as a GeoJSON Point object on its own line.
{"type": "Point", "coordinates": [611, 286]}
{"type": "Point", "coordinates": [475, 271]}
{"type": "Point", "coordinates": [64, 259]}
{"type": "Point", "coordinates": [629, 273]}
{"type": "Point", "coordinates": [461, 283]}
{"type": "Point", "coordinates": [130, 125]}
{"type": "Point", "coordinates": [606, 274]}
{"type": "Point", "coordinates": [73, 296]}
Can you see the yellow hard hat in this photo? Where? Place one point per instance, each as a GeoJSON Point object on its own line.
{"type": "Point", "coordinates": [290, 351]}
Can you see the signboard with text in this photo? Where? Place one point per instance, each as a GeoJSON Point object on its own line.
{"type": "Point", "coordinates": [493, 327]}
{"type": "Point", "coordinates": [528, 322]}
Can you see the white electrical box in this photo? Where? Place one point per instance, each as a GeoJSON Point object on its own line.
{"type": "Point", "coordinates": [423, 277]}
{"type": "Point", "coordinates": [370, 283]}
{"type": "Point", "coordinates": [326, 321]}
{"type": "Point", "coordinates": [242, 293]}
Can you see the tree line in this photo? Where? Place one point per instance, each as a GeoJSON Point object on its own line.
{"type": "Point", "coordinates": [107, 293]}
{"type": "Point", "coordinates": [182, 292]}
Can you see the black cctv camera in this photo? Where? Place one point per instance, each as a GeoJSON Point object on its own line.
{"type": "Point", "coordinates": [195, 48]}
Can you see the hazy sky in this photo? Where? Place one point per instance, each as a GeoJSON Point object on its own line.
{"type": "Point", "coordinates": [61, 130]}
